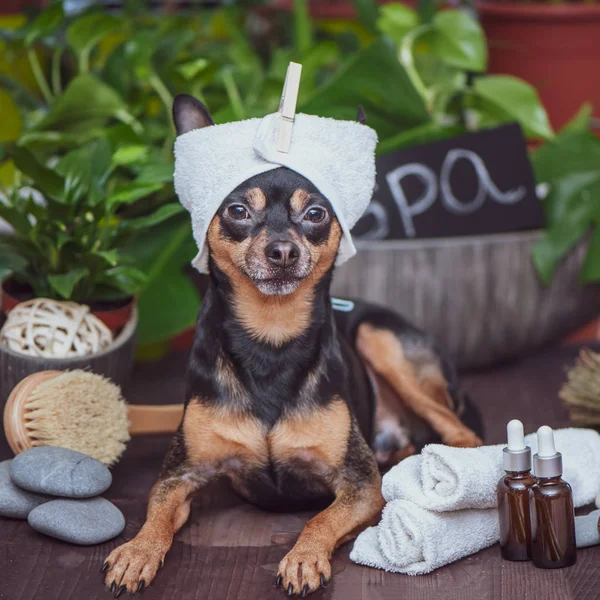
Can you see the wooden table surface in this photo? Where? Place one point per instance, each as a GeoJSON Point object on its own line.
{"type": "Point", "coordinates": [229, 550]}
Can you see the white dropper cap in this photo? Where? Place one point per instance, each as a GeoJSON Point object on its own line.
{"type": "Point", "coordinates": [515, 435]}
{"type": "Point", "coordinates": [516, 456]}
{"type": "Point", "coordinates": [547, 462]}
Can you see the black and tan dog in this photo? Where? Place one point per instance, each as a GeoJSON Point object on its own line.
{"type": "Point", "coordinates": [280, 392]}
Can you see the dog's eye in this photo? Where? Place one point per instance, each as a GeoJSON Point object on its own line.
{"type": "Point", "coordinates": [237, 212]}
{"type": "Point", "coordinates": [315, 215]}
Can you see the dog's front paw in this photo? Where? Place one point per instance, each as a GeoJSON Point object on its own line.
{"type": "Point", "coordinates": [463, 438]}
{"type": "Point", "coordinates": [133, 566]}
{"type": "Point", "coordinates": [303, 570]}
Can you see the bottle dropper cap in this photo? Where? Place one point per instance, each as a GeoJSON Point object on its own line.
{"type": "Point", "coordinates": [547, 462]}
{"type": "Point", "coordinates": [516, 456]}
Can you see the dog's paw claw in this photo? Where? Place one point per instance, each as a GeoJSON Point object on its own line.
{"type": "Point", "coordinates": [303, 571]}
{"type": "Point", "coordinates": [133, 566]}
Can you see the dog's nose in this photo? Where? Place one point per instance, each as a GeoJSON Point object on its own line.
{"type": "Point", "coordinates": [282, 254]}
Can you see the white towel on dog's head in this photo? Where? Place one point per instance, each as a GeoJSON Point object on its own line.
{"type": "Point", "coordinates": [338, 157]}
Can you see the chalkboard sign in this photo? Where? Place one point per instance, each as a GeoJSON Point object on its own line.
{"type": "Point", "coordinates": [473, 184]}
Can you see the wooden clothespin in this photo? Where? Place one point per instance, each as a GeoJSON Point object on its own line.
{"type": "Point", "coordinates": [287, 106]}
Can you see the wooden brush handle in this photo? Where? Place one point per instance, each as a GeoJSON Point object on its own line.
{"type": "Point", "coordinates": [148, 418]}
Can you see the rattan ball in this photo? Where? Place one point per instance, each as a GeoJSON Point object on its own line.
{"type": "Point", "coordinates": [49, 328]}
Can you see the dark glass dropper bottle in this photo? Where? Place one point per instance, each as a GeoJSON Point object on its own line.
{"type": "Point", "coordinates": [552, 515]}
{"type": "Point", "coordinates": [513, 496]}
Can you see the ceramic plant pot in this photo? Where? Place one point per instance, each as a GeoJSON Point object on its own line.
{"type": "Point", "coordinates": [116, 362]}
{"type": "Point", "coordinates": [480, 296]}
{"type": "Point", "coordinates": [554, 47]}
{"type": "Point", "coordinates": [114, 315]}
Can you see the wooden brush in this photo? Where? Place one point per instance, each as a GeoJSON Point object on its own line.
{"type": "Point", "coordinates": [82, 411]}
{"type": "Point", "coordinates": [581, 393]}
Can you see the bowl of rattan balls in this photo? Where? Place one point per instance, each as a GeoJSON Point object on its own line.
{"type": "Point", "coordinates": [43, 334]}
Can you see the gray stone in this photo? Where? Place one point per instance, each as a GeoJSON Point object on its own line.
{"type": "Point", "coordinates": [59, 472]}
{"type": "Point", "coordinates": [16, 503]}
{"type": "Point", "coordinates": [84, 522]}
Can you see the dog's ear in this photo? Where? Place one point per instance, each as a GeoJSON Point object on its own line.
{"type": "Point", "coordinates": [361, 116]}
{"type": "Point", "coordinates": [189, 114]}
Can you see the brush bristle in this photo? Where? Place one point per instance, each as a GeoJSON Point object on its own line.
{"type": "Point", "coordinates": [81, 411]}
{"type": "Point", "coordinates": [581, 393]}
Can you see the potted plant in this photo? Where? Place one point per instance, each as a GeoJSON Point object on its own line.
{"type": "Point", "coordinates": [424, 91]}
{"type": "Point", "coordinates": [552, 45]}
{"type": "Point", "coordinates": [72, 241]}
{"type": "Point", "coordinates": [102, 74]}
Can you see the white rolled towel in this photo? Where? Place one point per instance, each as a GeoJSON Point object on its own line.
{"type": "Point", "coordinates": [444, 478]}
{"type": "Point", "coordinates": [412, 540]}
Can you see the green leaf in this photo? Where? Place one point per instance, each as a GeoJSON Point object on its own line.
{"type": "Point", "coordinates": [396, 20]}
{"type": "Point", "coordinates": [569, 164]}
{"type": "Point", "coordinates": [85, 170]}
{"type": "Point", "coordinates": [128, 194]}
{"type": "Point", "coordinates": [15, 218]}
{"type": "Point", "coordinates": [190, 69]}
{"type": "Point", "coordinates": [507, 98]}
{"type": "Point", "coordinates": [581, 120]}
{"type": "Point", "coordinates": [590, 272]}
{"type": "Point", "coordinates": [45, 24]}
{"type": "Point", "coordinates": [10, 261]}
{"type": "Point", "coordinates": [111, 257]}
{"type": "Point", "coordinates": [154, 173]}
{"type": "Point", "coordinates": [129, 154]}
{"type": "Point", "coordinates": [163, 253]}
{"type": "Point", "coordinates": [45, 180]}
{"type": "Point", "coordinates": [87, 31]}
{"type": "Point", "coordinates": [303, 34]}
{"type": "Point", "coordinates": [124, 278]}
{"type": "Point", "coordinates": [64, 284]}
{"type": "Point", "coordinates": [423, 134]}
{"type": "Point", "coordinates": [367, 14]}
{"type": "Point", "coordinates": [376, 80]}
{"type": "Point", "coordinates": [166, 211]}
{"type": "Point", "coordinates": [10, 123]}
{"type": "Point", "coordinates": [85, 100]}
{"type": "Point", "coordinates": [459, 40]}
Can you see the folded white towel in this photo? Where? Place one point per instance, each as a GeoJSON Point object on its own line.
{"type": "Point", "coordinates": [338, 157]}
{"type": "Point", "coordinates": [444, 478]}
{"type": "Point", "coordinates": [412, 540]}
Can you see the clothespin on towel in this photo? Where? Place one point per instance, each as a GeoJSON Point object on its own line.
{"type": "Point", "coordinates": [287, 106]}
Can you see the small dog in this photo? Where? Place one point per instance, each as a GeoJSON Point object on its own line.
{"type": "Point", "coordinates": [293, 402]}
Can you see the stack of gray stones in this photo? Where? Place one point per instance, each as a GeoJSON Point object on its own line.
{"type": "Point", "coordinates": [57, 490]}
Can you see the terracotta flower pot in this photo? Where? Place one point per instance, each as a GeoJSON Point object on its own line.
{"type": "Point", "coordinates": [555, 47]}
{"type": "Point", "coordinates": [16, 6]}
{"type": "Point", "coordinates": [114, 317]}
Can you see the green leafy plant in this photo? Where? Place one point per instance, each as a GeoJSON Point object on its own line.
{"type": "Point", "coordinates": [424, 81]}
{"type": "Point", "coordinates": [114, 77]}
{"type": "Point", "coordinates": [70, 231]}
{"type": "Point", "coordinates": [569, 166]}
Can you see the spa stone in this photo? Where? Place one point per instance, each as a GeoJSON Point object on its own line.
{"type": "Point", "coordinates": [83, 522]}
{"type": "Point", "coordinates": [16, 503]}
{"type": "Point", "coordinates": [59, 472]}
